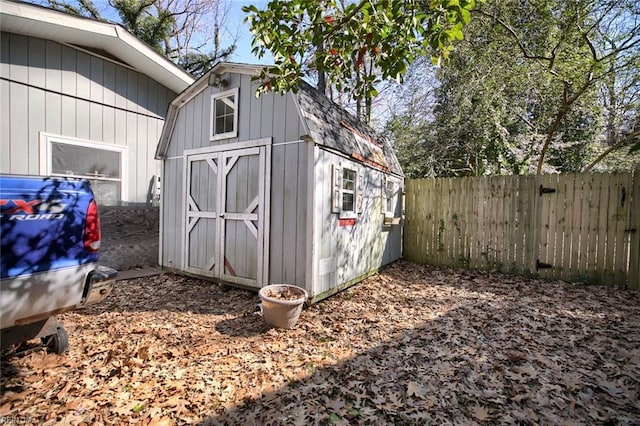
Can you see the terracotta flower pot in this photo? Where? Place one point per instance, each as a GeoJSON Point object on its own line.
{"type": "Point", "coordinates": [282, 304]}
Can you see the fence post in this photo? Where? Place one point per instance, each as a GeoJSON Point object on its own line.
{"type": "Point", "coordinates": [634, 229]}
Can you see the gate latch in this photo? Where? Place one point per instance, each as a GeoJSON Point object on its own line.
{"type": "Point", "coordinates": [541, 265]}
{"type": "Point", "coordinates": [631, 230]}
{"type": "Point", "coordinates": [544, 190]}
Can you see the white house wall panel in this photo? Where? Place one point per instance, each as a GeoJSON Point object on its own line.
{"type": "Point", "coordinates": [5, 131]}
{"type": "Point", "coordinates": [55, 90]}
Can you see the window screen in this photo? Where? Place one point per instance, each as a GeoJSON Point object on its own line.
{"type": "Point", "coordinates": [84, 161]}
{"type": "Point", "coordinates": [102, 167]}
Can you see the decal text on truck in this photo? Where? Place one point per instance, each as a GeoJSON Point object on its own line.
{"type": "Point", "coordinates": [32, 210]}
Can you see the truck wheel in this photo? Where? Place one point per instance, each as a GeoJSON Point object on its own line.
{"type": "Point", "coordinates": [57, 343]}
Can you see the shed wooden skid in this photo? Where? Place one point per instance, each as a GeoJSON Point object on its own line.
{"type": "Point", "coordinates": [277, 189]}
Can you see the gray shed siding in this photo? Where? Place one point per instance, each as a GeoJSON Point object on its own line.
{"type": "Point", "coordinates": [269, 116]}
{"type": "Point", "coordinates": [56, 89]}
{"type": "Point", "coordinates": [345, 253]}
{"type": "Point", "coordinates": [289, 219]}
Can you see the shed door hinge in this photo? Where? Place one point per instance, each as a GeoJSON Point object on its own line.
{"type": "Point", "coordinates": [631, 230]}
{"type": "Point", "coordinates": [541, 265]}
{"type": "Point", "coordinates": [544, 190]}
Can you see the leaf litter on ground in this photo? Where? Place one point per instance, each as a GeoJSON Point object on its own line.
{"type": "Point", "coordinates": [413, 344]}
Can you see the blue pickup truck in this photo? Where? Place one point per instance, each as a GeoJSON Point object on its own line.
{"type": "Point", "coordinates": [50, 240]}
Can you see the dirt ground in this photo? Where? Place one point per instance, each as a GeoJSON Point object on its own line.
{"type": "Point", "coordinates": [411, 345]}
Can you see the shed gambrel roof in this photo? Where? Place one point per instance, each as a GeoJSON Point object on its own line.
{"type": "Point", "coordinates": [106, 39]}
{"type": "Point", "coordinates": [332, 126]}
{"type": "Point", "coordinates": [327, 123]}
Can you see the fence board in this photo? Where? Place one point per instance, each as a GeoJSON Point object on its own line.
{"type": "Point", "coordinates": [490, 230]}
{"type": "Point", "coordinates": [510, 222]}
{"type": "Point", "coordinates": [475, 223]}
{"type": "Point", "coordinates": [416, 226]}
{"type": "Point", "coordinates": [408, 242]}
{"type": "Point", "coordinates": [422, 217]}
{"type": "Point", "coordinates": [592, 228]}
{"type": "Point", "coordinates": [633, 230]}
{"type": "Point", "coordinates": [448, 236]}
{"type": "Point", "coordinates": [623, 188]}
{"type": "Point", "coordinates": [503, 223]}
{"type": "Point", "coordinates": [554, 251]}
{"type": "Point", "coordinates": [520, 203]}
{"type": "Point", "coordinates": [583, 251]}
{"type": "Point", "coordinates": [465, 209]}
{"type": "Point", "coordinates": [568, 226]}
{"type": "Point", "coordinates": [458, 219]}
{"type": "Point", "coordinates": [437, 216]}
{"type": "Point", "coordinates": [481, 259]}
{"type": "Point", "coordinates": [547, 201]}
{"type": "Point", "coordinates": [600, 265]}
{"type": "Point", "coordinates": [429, 234]}
{"type": "Point", "coordinates": [499, 230]}
{"type": "Point", "coordinates": [530, 224]}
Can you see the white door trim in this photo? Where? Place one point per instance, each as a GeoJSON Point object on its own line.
{"type": "Point", "coordinates": [220, 154]}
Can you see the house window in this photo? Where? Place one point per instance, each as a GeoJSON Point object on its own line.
{"type": "Point", "coordinates": [224, 115]}
{"type": "Point", "coordinates": [101, 165]}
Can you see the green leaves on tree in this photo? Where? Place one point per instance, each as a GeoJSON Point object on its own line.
{"type": "Point", "coordinates": [348, 42]}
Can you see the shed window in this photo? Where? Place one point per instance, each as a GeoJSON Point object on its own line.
{"type": "Point", "coordinates": [348, 188]}
{"type": "Point", "coordinates": [101, 165]}
{"type": "Point", "coordinates": [224, 115]}
{"type": "Point", "coordinates": [391, 195]}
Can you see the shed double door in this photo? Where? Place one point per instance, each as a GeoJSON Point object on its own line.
{"type": "Point", "coordinates": [225, 215]}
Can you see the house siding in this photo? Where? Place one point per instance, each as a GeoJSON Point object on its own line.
{"type": "Point", "coordinates": [56, 89]}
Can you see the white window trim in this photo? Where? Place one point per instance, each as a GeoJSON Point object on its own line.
{"type": "Point", "coordinates": [228, 135]}
{"type": "Point", "coordinates": [46, 162]}
{"type": "Point", "coordinates": [348, 214]}
{"type": "Point", "coordinates": [389, 204]}
{"type": "Point", "coordinates": [338, 191]}
{"type": "Point", "coordinates": [390, 216]}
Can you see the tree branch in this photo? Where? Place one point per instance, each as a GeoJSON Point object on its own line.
{"type": "Point", "coordinates": [515, 36]}
{"type": "Point", "coordinates": [612, 148]}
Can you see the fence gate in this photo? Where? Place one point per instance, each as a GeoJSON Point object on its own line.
{"type": "Point", "coordinates": [576, 227]}
{"type": "Point", "coordinates": [584, 227]}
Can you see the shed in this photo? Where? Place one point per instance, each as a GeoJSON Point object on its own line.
{"type": "Point", "coordinates": [82, 98]}
{"type": "Point", "coordinates": [277, 189]}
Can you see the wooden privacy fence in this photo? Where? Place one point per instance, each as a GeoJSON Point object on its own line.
{"type": "Point", "coordinates": [575, 227]}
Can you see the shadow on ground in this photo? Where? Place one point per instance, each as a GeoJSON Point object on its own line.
{"type": "Point", "coordinates": [130, 237]}
{"type": "Point", "coordinates": [411, 345]}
